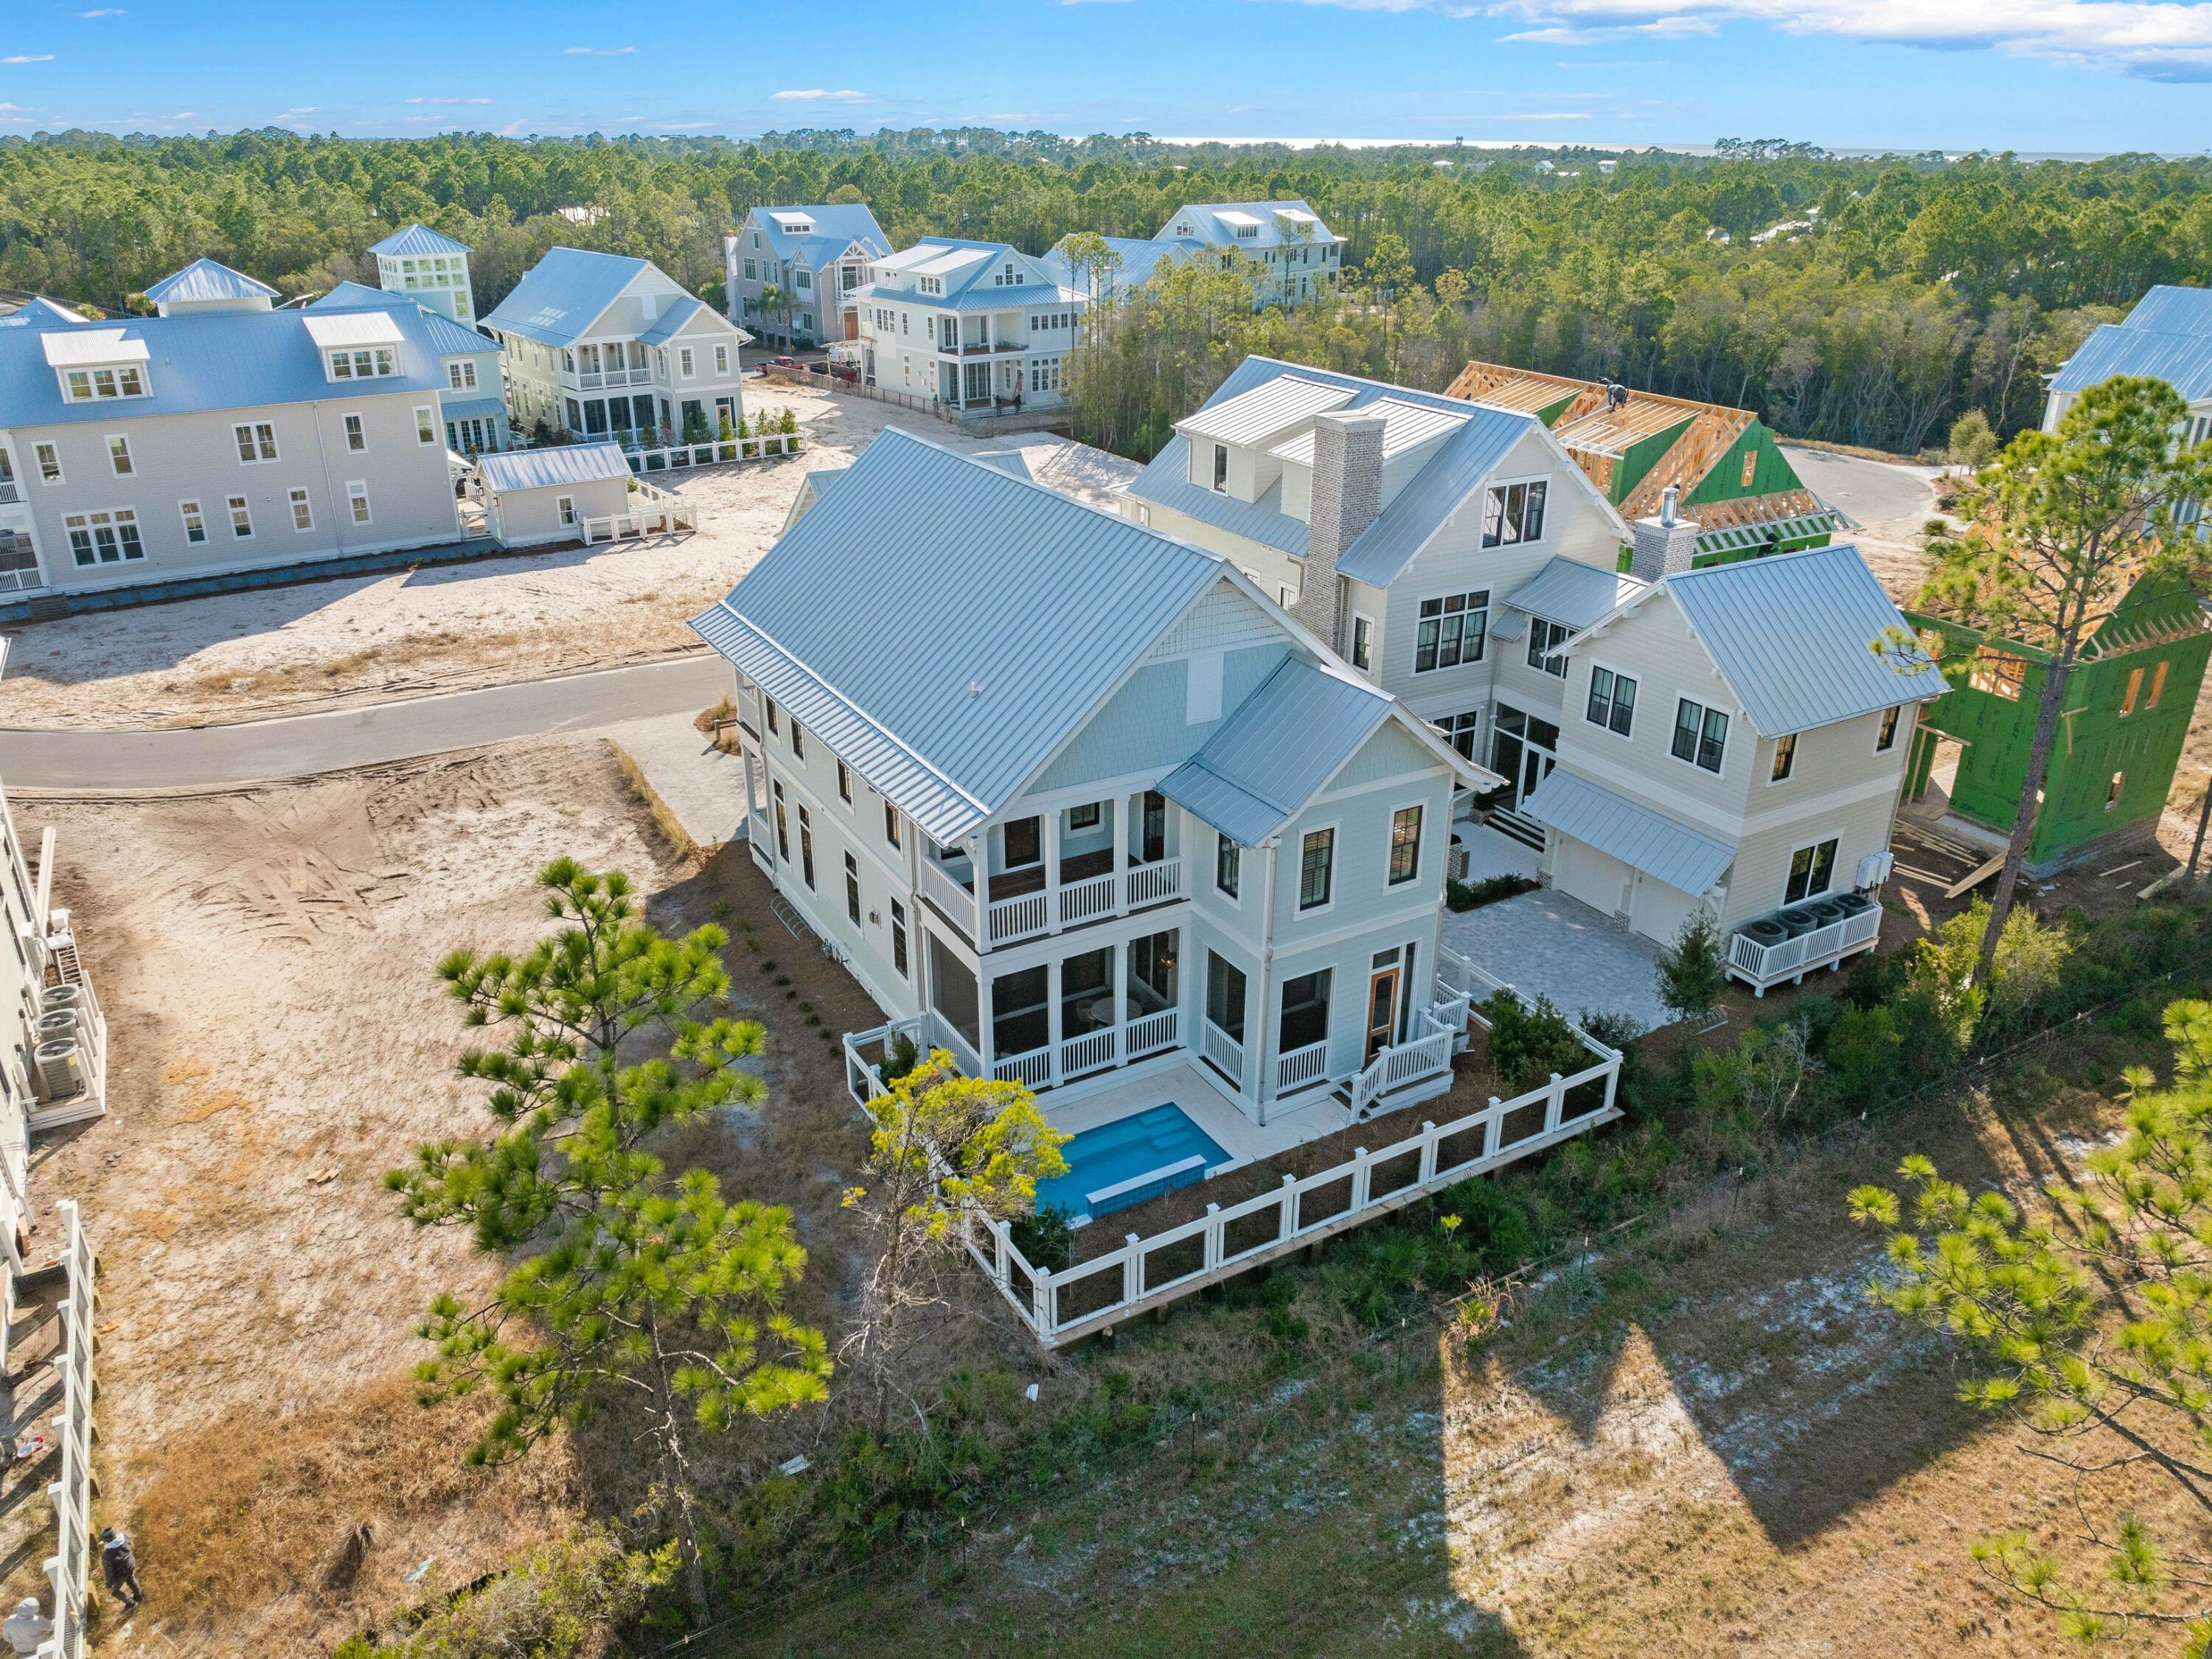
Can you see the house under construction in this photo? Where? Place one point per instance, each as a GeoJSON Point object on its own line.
{"type": "Point", "coordinates": [1735, 480]}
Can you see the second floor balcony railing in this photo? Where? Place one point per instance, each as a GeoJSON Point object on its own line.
{"type": "Point", "coordinates": [595, 381]}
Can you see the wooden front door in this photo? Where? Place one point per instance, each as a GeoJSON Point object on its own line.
{"type": "Point", "coordinates": [1382, 1010]}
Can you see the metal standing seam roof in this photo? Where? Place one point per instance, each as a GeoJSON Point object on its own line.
{"type": "Point", "coordinates": [334, 329]}
{"type": "Point", "coordinates": [667, 324]}
{"type": "Point", "coordinates": [1038, 604]}
{"type": "Point", "coordinates": [203, 360]}
{"type": "Point", "coordinates": [447, 338]}
{"type": "Point", "coordinates": [985, 298]}
{"type": "Point", "coordinates": [1142, 259]}
{"type": "Point", "coordinates": [40, 312]}
{"type": "Point", "coordinates": [1405, 426]}
{"type": "Point", "coordinates": [1166, 482]}
{"type": "Point", "coordinates": [2174, 310]}
{"type": "Point", "coordinates": [561, 296]}
{"type": "Point", "coordinates": [488, 408]}
{"type": "Point", "coordinates": [1641, 839]}
{"type": "Point", "coordinates": [1793, 637]}
{"type": "Point", "coordinates": [1572, 594]}
{"type": "Point", "coordinates": [415, 240]}
{"type": "Point", "coordinates": [1276, 750]}
{"type": "Point", "coordinates": [81, 348]}
{"type": "Point", "coordinates": [203, 279]}
{"type": "Point", "coordinates": [504, 470]}
{"type": "Point", "coordinates": [1281, 401]}
{"type": "Point", "coordinates": [1204, 218]}
{"type": "Point", "coordinates": [2182, 361]}
{"type": "Point", "coordinates": [836, 225]}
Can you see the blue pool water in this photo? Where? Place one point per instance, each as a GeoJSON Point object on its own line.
{"type": "Point", "coordinates": [1130, 1160]}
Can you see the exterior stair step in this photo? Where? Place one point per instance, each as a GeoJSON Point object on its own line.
{"type": "Point", "coordinates": [1527, 831]}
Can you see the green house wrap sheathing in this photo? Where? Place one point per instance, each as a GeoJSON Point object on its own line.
{"type": "Point", "coordinates": [2109, 771]}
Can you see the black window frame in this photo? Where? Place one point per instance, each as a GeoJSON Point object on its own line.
{"type": "Point", "coordinates": [806, 846]}
{"type": "Point", "coordinates": [1452, 631]}
{"type": "Point", "coordinates": [1702, 737]}
{"type": "Point", "coordinates": [1544, 637]}
{"type": "Point", "coordinates": [1783, 766]}
{"type": "Point", "coordinates": [1513, 514]}
{"type": "Point", "coordinates": [852, 890]}
{"type": "Point", "coordinates": [1819, 858]}
{"type": "Point", "coordinates": [1308, 864]}
{"type": "Point", "coordinates": [1228, 866]}
{"type": "Point", "coordinates": [1606, 705]}
{"type": "Point", "coordinates": [1885, 737]}
{"type": "Point", "coordinates": [1410, 846]}
{"type": "Point", "coordinates": [844, 783]}
{"type": "Point", "coordinates": [898, 939]}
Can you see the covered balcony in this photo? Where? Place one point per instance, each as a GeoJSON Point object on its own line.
{"type": "Point", "coordinates": [1057, 870]}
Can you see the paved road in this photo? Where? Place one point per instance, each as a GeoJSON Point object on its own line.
{"type": "Point", "coordinates": [1880, 495]}
{"type": "Point", "coordinates": [186, 756]}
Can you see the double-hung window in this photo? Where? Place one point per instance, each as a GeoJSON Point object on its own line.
{"type": "Point", "coordinates": [1513, 514]}
{"type": "Point", "coordinates": [898, 937]}
{"type": "Point", "coordinates": [357, 501]}
{"type": "Point", "coordinates": [1405, 845]}
{"type": "Point", "coordinates": [1811, 870]}
{"type": "Point", "coordinates": [241, 518]}
{"type": "Point", "coordinates": [1545, 639]}
{"type": "Point", "coordinates": [1317, 868]}
{"type": "Point", "coordinates": [1887, 738]}
{"type": "Point", "coordinates": [461, 374]}
{"type": "Point", "coordinates": [356, 436]}
{"type": "Point", "coordinates": [1611, 701]}
{"type": "Point", "coordinates": [852, 890]}
{"type": "Point", "coordinates": [1228, 866]}
{"type": "Point", "coordinates": [257, 442]}
{"type": "Point", "coordinates": [844, 783]}
{"type": "Point", "coordinates": [806, 846]}
{"type": "Point", "coordinates": [890, 825]}
{"type": "Point", "coordinates": [195, 523]}
{"type": "Point", "coordinates": [426, 428]}
{"type": "Point", "coordinates": [107, 538]}
{"type": "Point", "coordinates": [50, 463]}
{"type": "Point", "coordinates": [798, 742]}
{"type": "Point", "coordinates": [303, 513]}
{"type": "Point", "coordinates": [1700, 734]}
{"type": "Point", "coordinates": [1363, 638]}
{"type": "Point", "coordinates": [1452, 631]}
{"type": "Point", "coordinates": [1785, 758]}
{"type": "Point", "coordinates": [119, 457]}
{"type": "Point", "coordinates": [782, 823]}
{"type": "Point", "coordinates": [1221, 466]}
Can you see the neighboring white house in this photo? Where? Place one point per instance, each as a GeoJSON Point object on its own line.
{"type": "Point", "coordinates": [2168, 335]}
{"type": "Point", "coordinates": [968, 326]}
{"type": "Point", "coordinates": [1133, 261]}
{"type": "Point", "coordinates": [1442, 548]}
{"type": "Point", "coordinates": [1293, 254]}
{"type": "Point", "coordinates": [473, 404]}
{"type": "Point", "coordinates": [1734, 740]}
{"type": "Point", "coordinates": [1120, 817]}
{"type": "Point", "coordinates": [219, 436]}
{"type": "Point", "coordinates": [817, 256]}
{"type": "Point", "coordinates": [536, 496]}
{"type": "Point", "coordinates": [428, 268]}
{"type": "Point", "coordinates": [602, 346]}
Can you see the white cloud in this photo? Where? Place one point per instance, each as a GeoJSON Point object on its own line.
{"type": "Point", "coordinates": [29, 58]}
{"type": "Point", "coordinates": [2160, 39]}
{"type": "Point", "coordinates": [103, 11]}
{"type": "Point", "coordinates": [597, 51]}
{"type": "Point", "coordinates": [818, 94]}
{"type": "Point", "coordinates": [449, 100]}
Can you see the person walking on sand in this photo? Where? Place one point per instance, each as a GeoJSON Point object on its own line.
{"type": "Point", "coordinates": [120, 1566]}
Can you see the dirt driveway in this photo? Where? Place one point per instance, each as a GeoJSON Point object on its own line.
{"type": "Point", "coordinates": [324, 644]}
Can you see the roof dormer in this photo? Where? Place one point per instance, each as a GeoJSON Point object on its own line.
{"type": "Point", "coordinates": [356, 345]}
{"type": "Point", "coordinates": [203, 285]}
{"type": "Point", "coordinates": [95, 365]}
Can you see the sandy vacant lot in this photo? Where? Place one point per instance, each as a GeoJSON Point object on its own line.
{"type": "Point", "coordinates": [319, 644]}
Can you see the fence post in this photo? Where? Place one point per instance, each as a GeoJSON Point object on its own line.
{"type": "Point", "coordinates": [1041, 1298]}
{"type": "Point", "coordinates": [1359, 1178]}
{"type": "Point", "coordinates": [1002, 1260]}
{"type": "Point", "coordinates": [1554, 1104]}
{"type": "Point", "coordinates": [1428, 1154]}
{"type": "Point", "coordinates": [1493, 1131]}
{"type": "Point", "coordinates": [1287, 1229]}
{"type": "Point", "coordinates": [1132, 1268]}
{"type": "Point", "coordinates": [1212, 1255]}
{"type": "Point", "coordinates": [1612, 1079]}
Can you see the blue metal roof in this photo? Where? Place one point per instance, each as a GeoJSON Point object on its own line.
{"type": "Point", "coordinates": [549, 468]}
{"type": "Point", "coordinates": [1626, 829]}
{"type": "Point", "coordinates": [1572, 594]}
{"type": "Point", "coordinates": [447, 338]}
{"type": "Point", "coordinates": [40, 312]}
{"type": "Point", "coordinates": [563, 294]}
{"type": "Point", "coordinates": [1205, 218]}
{"type": "Point", "coordinates": [1037, 606]}
{"type": "Point", "coordinates": [417, 240]}
{"type": "Point", "coordinates": [203, 279]}
{"type": "Point", "coordinates": [472, 408]}
{"type": "Point", "coordinates": [1142, 259]}
{"type": "Point", "coordinates": [837, 226]}
{"type": "Point", "coordinates": [1793, 635]}
{"type": "Point", "coordinates": [2182, 361]}
{"type": "Point", "coordinates": [665, 326]}
{"type": "Point", "coordinates": [208, 361]}
{"type": "Point", "coordinates": [1386, 547]}
{"type": "Point", "coordinates": [1275, 753]}
{"type": "Point", "coordinates": [2174, 310]}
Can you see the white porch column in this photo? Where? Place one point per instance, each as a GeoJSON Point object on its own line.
{"type": "Point", "coordinates": [1052, 1022]}
{"type": "Point", "coordinates": [979, 854]}
{"type": "Point", "coordinates": [1123, 822]}
{"type": "Point", "coordinates": [1051, 850]}
{"type": "Point", "coordinates": [1119, 991]}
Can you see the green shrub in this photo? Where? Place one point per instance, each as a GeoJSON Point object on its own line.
{"type": "Point", "coordinates": [1493, 1222]}
{"type": "Point", "coordinates": [900, 1055]}
{"type": "Point", "coordinates": [1044, 1238]}
{"type": "Point", "coordinates": [1472, 895]}
{"type": "Point", "coordinates": [1529, 1042]}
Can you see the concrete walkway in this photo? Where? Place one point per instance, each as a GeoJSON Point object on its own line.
{"type": "Point", "coordinates": [1545, 944]}
{"type": "Point", "coordinates": [703, 787]}
{"type": "Point", "coordinates": [182, 757]}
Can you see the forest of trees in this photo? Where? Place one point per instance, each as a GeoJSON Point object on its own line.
{"type": "Point", "coordinates": [1905, 290]}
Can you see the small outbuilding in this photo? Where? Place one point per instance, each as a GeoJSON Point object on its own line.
{"type": "Point", "coordinates": [576, 493]}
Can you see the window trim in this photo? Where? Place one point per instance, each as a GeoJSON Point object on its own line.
{"type": "Point", "coordinates": [1419, 810]}
{"type": "Point", "coordinates": [1886, 729]}
{"type": "Point", "coordinates": [891, 836]}
{"type": "Point", "coordinates": [1327, 902]}
{"type": "Point", "coordinates": [116, 520]}
{"type": "Point", "coordinates": [1231, 852]}
{"type": "Point", "coordinates": [426, 424]}
{"type": "Point", "coordinates": [1467, 608]}
{"type": "Point", "coordinates": [299, 501]}
{"type": "Point", "coordinates": [1705, 712]}
{"type": "Point", "coordinates": [1611, 702]}
{"type": "Point", "coordinates": [122, 464]}
{"type": "Point", "coordinates": [1504, 488]}
{"type": "Point", "coordinates": [844, 783]}
{"type": "Point", "coordinates": [188, 509]}
{"type": "Point", "coordinates": [240, 508]}
{"type": "Point", "coordinates": [900, 958]}
{"type": "Point", "coordinates": [1811, 892]}
{"type": "Point", "coordinates": [1362, 641]}
{"type": "Point", "coordinates": [358, 510]}
{"type": "Point", "coordinates": [47, 457]}
{"type": "Point", "coordinates": [252, 440]}
{"type": "Point", "coordinates": [1782, 766]}
{"type": "Point", "coordinates": [852, 890]}
{"type": "Point", "coordinates": [355, 427]}
{"type": "Point", "coordinates": [1539, 658]}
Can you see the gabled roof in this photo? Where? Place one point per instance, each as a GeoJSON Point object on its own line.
{"type": "Point", "coordinates": [40, 312]}
{"type": "Point", "coordinates": [1793, 637]}
{"type": "Point", "coordinates": [545, 469]}
{"type": "Point", "coordinates": [203, 280]}
{"type": "Point", "coordinates": [1215, 223]}
{"type": "Point", "coordinates": [1382, 552]}
{"type": "Point", "coordinates": [565, 293]}
{"type": "Point", "coordinates": [1275, 751]}
{"type": "Point", "coordinates": [207, 360]}
{"type": "Point", "coordinates": [1281, 401]}
{"type": "Point", "coordinates": [2183, 360]}
{"type": "Point", "coordinates": [1038, 605]}
{"type": "Point", "coordinates": [670, 322]}
{"type": "Point", "coordinates": [1141, 258]}
{"type": "Point", "coordinates": [447, 338]}
{"type": "Point", "coordinates": [417, 240]}
{"type": "Point", "coordinates": [2174, 310]}
{"type": "Point", "coordinates": [836, 227]}
{"type": "Point", "coordinates": [1405, 426]}
{"type": "Point", "coordinates": [1636, 834]}
{"type": "Point", "coordinates": [964, 269]}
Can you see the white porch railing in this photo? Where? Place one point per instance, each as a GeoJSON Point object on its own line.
{"type": "Point", "coordinates": [652, 512]}
{"type": "Point", "coordinates": [1223, 1050]}
{"type": "Point", "coordinates": [1089, 1052]}
{"type": "Point", "coordinates": [1062, 1307]}
{"type": "Point", "coordinates": [1021, 917]}
{"type": "Point", "coordinates": [1300, 1067]}
{"type": "Point", "coordinates": [948, 892]}
{"type": "Point", "coordinates": [1154, 884]}
{"type": "Point", "coordinates": [677, 458]}
{"type": "Point", "coordinates": [69, 1568]}
{"type": "Point", "coordinates": [1441, 1032]}
{"type": "Point", "coordinates": [1032, 1070]}
{"type": "Point", "coordinates": [1087, 900]}
{"type": "Point", "coordinates": [1761, 965]}
{"type": "Point", "coordinates": [1151, 1033]}
{"type": "Point", "coordinates": [864, 1078]}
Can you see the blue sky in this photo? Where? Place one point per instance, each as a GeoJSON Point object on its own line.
{"type": "Point", "coordinates": [2028, 75]}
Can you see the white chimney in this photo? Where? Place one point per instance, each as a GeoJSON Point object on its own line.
{"type": "Point", "coordinates": [1663, 545]}
{"type": "Point", "coordinates": [1347, 494]}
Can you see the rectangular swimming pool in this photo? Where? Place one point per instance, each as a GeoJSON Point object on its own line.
{"type": "Point", "coordinates": [1130, 1160]}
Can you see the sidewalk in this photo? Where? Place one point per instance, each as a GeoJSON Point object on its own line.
{"type": "Point", "coordinates": [703, 787]}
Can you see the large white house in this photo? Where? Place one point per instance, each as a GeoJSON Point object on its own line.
{"type": "Point", "coordinates": [472, 405]}
{"type": "Point", "coordinates": [969, 327]}
{"type": "Point", "coordinates": [603, 346]}
{"type": "Point", "coordinates": [219, 436]}
{"type": "Point", "coordinates": [1116, 816]}
{"type": "Point", "coordinates": [2168, 335]}
{"type": "Point", "coordinates": [1291, 254]}
{"type": "Point", "coordinates": [817, 257]}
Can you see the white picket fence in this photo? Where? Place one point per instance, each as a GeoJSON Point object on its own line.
{"type": "Point", "coordinates": [69, 1568]}
{"type": "Point", "coordinates": [677, 458]}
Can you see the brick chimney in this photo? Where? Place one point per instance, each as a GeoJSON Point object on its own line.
{"type": "Point", "coordinates": [1347, 494]}
{"type": "Point", "coordinates": [1663, 543]}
